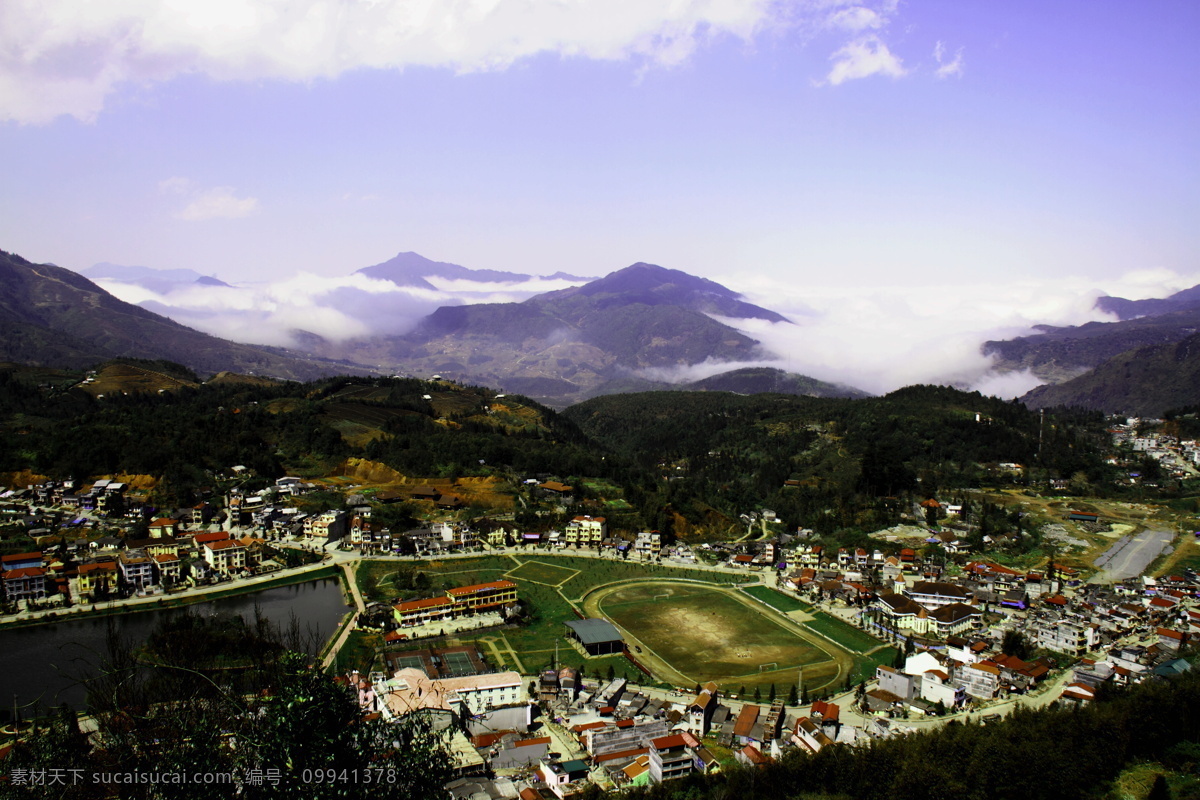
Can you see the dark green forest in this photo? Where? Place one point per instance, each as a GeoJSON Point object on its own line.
{"type": "Point", "coordinates": [829, 464]}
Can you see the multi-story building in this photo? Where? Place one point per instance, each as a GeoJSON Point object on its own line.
{"type": "Point", "coordinates": [169, 569]}
{"type": "Point", "coordinates": [327, 526]}
{"type": "Point", "coordinates": [458, 602]}
{"type": "Point", "coordinates": [224, 555]}
{"type": "Point", "coordinates": [97, 578]}
{"type": "Point", "coordinates": [980, 680]}
{"type": "Point", "coordinates": [1065, 636]}
{"type": "Point", "coordinates": [678, 755]}
{"type": "Point", "coordinates": [934, 594]}
{"type": "Point", "coordinates": [410, 690]}
{"type": "Point", "coordinates": [25, 583]}
{"type": "Point", "coordinates": [586, 531]}
{"type": "Point", "coordinates": [136, 570]}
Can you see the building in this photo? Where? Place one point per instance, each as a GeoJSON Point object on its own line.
{"type": "Point", "coordinates": [459, 602]}
{"type": "Point", "coordinates": [980, 680]}
{"type": "Point", "coordinates": [25, 583]}
{"type": "Point", "coordinates": [328, 526]}
{"type": "Point", "coordinates": [410, 690]}
{"type": "Point", "coordinates": [599, 637]}
{"type": "Point", "coordinates": [672, 757]}
{"type": "Point", "coordinates": [585, 531]}
{"type": "Point", "coordinates": [1064, 636]}
{"type": "Point", "coordinates": [224, 555]}
{"type": "Point", "coordinates": [136, 570]}
{"type": "Point", "coordinates": [933, 594]}
{"type": "Point", "coordinates": [97, 579]}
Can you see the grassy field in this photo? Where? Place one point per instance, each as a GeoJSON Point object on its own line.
{"type": "Point", "coordinates": [777, 599]}
{"type": "Point", "coordinates": [710, 634]}
{"type": "Point", "coordinates": [360, 652]}
{"type": "Point", "coordinates": [843, 633]}
{"type": "Point", "coordinates": [540, 572]}
{"type": "Point", "coordinates": [549, 587]}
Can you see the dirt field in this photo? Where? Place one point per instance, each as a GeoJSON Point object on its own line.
{"type": "Point", "coordinates": [693, 633]}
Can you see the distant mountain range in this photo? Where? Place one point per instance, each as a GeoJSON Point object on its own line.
{"type": "Point", "coordinates": [50, 316]}
{"type": "Point", "coordinates": [162, 281]}
{"type": "Point", "coordinates": [627, 331]}
{"type": "Point", "coordinates": [564, 345]}
{"type": "Point", "coordinates": [413, 269]}
{"type": "Point", "coordinates": [1131, 366]}
{"type": "Point", "coordinates": [1143, 382]}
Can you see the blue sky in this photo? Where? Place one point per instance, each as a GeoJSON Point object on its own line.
{"type": "Point", "coordinates": [824, 144]}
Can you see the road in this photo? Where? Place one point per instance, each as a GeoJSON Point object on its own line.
{"type": "Point", "coordinates": [1130, 556]}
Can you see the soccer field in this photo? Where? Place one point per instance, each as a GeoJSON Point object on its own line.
{"type": "Point", "coordinates": [709, 634]}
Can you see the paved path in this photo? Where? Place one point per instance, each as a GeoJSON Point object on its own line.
{"type": "Point", "coordinates": [1130, 556]}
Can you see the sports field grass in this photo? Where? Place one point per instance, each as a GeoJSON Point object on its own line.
{"type": "Point", "coordinates": [777, 599]}
{"type": "Point", "coordinates": [842, 632]}
{"type": "Point", "coordinates": [708, 634]}
{"type": "Point", "coordinates": [540, 572]}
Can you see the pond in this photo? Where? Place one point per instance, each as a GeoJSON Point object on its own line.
{"type": "Point", "coordinates": [44, 666]}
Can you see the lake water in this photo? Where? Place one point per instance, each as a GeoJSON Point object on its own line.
{"type": "Point", "coordinates": [44, 664]}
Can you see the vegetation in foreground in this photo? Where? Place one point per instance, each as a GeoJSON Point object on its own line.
{"type": "Point", "coordinates": [240, 703]}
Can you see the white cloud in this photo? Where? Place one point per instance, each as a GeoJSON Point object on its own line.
{"type": "Point", "coordinates": [882, 338]}
{"type": "Point", "coordinates": [947, 69]}
{"type": "Point", "coordinates": [337, 308]}
{"type": "Point", "coordinates": [66, 57]}
{"type": "Point", "coordinates": [862, 58]}
{"type": "Point", "coordinates": [219, 202]}
{"type": "Point", "coordinates": [857, 19]}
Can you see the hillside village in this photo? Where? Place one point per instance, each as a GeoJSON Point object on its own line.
{"type": "Point", "coordinates": [976, 638]}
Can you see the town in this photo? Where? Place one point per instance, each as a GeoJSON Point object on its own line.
{"type": "Point", "coordinates": [921, 628]}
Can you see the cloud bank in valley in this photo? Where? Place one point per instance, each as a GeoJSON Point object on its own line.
{"type": "Point", "coordinates": [877, 339]}
{"type": "Point", "coordinates": [882, 338]}
{"type": "Point", "coordinates": [336, 308]}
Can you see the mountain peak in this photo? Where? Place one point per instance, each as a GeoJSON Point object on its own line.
{"type": "Point", "coordinates": [652, 285]}
{"type": "Point", "coordinates": [413, 269]}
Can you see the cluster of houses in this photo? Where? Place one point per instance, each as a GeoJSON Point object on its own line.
{"type": "Point", "coordinates": [1178, 457]}
{"type": "Point", "coordinates": [1136, 629]}
{"type": "Point", "coordinates": [115, 568]}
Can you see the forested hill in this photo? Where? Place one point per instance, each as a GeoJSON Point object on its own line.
{"type": "Point", "coordinates": [55, 424]}
{"type": "Point", "coordinates": [822, 462]}
{"type": "Point", "coordinates": [923, 425]}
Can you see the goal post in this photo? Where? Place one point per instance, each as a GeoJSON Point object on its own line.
{"type": "Point", "coordinates": [770, 666]}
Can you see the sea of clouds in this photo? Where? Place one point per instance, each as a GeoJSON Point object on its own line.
{"type": "Point", "coordinates": [876, 338]}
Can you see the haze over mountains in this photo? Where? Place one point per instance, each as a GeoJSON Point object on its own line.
{"type": "Point", "coordinates": [55, 317]}
{"type": "Point", "coordinates": [559, 346]}
{"type": "Point", "coordinates": [565, 337]}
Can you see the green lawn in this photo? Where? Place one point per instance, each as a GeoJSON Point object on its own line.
{"type": "Point", "coordinates": [542, 582]}
{"type": "Point", "coordinates": [359, 652]}
{"type": "Point", "coordinates": [864, 666]}
{"type": "Point", "coordinates": [843, 633]}
{"type": "Point", "coordinates": [541, 572]}
{"type": "Point", "coordinates": [777, 599]}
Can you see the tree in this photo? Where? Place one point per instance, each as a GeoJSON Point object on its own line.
{"type": "Point", "coordinates": [1014, 643]}
{"type": "Point", "coordinates": [757, 694]}
{"type": "Point", "coordinates": [771, 694]}
{"type": "Point", "coordinates": [280, 716]}
{"type": "Point", "coordinates": [793, 696]}
{"type": "Point", "coordinates": [1159, 790]}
